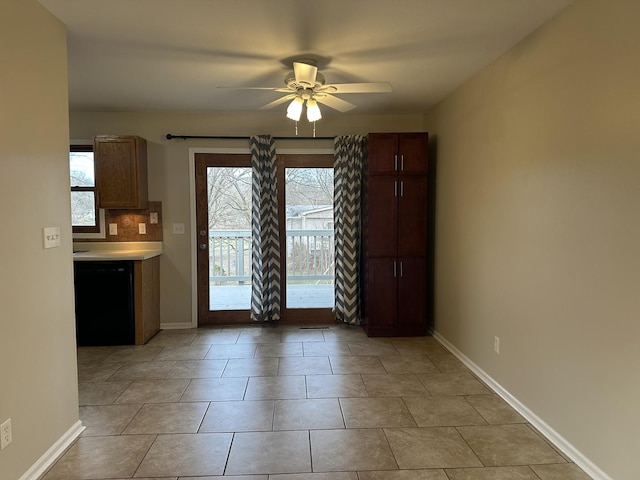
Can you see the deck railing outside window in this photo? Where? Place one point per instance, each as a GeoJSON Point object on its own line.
{"type": "Point", "coordinates": [310, 257]}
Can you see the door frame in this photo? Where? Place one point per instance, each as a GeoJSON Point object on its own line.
{"type": "Point", "coordinates": [327, 150]}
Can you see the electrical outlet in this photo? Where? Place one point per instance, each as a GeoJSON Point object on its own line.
{"type": "Point", "coordinates": [5, 434]}
{"type": "Point", "coordinates": [496, 344]}
{"type": "Point", "coordinates": [153, 217]}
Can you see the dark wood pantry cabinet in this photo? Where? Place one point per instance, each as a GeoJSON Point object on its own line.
{"type": "Point", "coordinates": [395, 219]}
{"type": "Point", "coordinates": [121, 171]}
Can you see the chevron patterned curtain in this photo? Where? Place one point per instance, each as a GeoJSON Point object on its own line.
{"type": "Point", "coordinates": [265, 269]}
{"type": "Point", "coordinates": [350, 152]}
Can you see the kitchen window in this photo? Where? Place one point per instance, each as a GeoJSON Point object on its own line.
{"type": "Point", "coordinates": [84, 208]}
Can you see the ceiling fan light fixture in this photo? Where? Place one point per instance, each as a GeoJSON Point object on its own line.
{"type": "Point", "coordinates": [313, 111]}
{"type": "Point", "coordinates": [306, 84]}
{"type": "Point", "coordinates": [294, 110]}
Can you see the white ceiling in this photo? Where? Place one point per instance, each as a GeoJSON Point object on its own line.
{"type": "Point", "coordinates": [170, 55]}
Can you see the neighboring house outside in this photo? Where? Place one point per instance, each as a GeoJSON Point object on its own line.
{"type": "Point", "coordinates": [310, 254]}
{"type": "Point", "coordinates": [309, 217]}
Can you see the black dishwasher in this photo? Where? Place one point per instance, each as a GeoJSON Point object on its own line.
{"type": "Point", "coordinates": [104, 303]}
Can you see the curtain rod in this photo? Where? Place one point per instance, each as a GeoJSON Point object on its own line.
{"type": "Point", "coordinates": [170, 136]}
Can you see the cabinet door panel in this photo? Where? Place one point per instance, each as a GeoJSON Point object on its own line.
{"type": "Point", "coordinates": [412, 149]}
{"type": "Point", "coordinates": [412, 295]}
{"type": "Point", "coordinates": [382, 217]}
{"type": "Point", "coordinates": [147, 298]}
{"type": "Point", "coordinates": [382, 151]}
{"type": "Point", "coordinates": [382, 304]}
{"type": "Point", "coordinates": [121, 171]}
{"type": "Point", "coordinates": [412, 216]}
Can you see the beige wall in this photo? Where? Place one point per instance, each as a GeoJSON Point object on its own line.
{"type": "Point", "coordinates": [38, 388]}
{"type": "Point", "coordinates": [168, 164]}
{"type": "Point", "coordinates": [538, 229]}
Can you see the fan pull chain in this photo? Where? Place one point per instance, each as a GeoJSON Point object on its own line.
{"type": "Point", "coordinates": [314, 129]}
{"type": "Point", "coordinates": [296, 128]}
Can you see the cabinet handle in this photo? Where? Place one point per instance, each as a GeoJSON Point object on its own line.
{"type": "Point", "coordinates": [395, 188]}
{"type": "Point", "coordinates": [401, 163]}
{"type": "Point", "coordinates": [395, 163]}
{"type": "Point", "coordinates": [395, 269]}
{"type": "Point", "coordinates": [400, 269]}
{"type": "Point", "coordinates": [402, 188]}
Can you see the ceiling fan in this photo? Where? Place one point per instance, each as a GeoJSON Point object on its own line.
{"type": "Point", "coordinates": [306, 84]}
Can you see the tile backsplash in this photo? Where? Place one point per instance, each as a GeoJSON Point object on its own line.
{"type": "Point", "coordinates": [128, 221]}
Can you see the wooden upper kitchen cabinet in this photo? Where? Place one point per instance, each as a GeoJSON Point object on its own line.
{"type": "Point", "coordinates": [121, 171]}
{"type": "Point", "coordinates": [395, 239]}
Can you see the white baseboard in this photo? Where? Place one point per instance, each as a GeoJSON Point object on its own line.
{"type": "Point", "coordinates": [554, 437]}
{"type": "Point", "coordinates": [175, 326]}
{"type": "Point", "coordinates": [55, 451]}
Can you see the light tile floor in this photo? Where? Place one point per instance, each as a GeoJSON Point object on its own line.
{"type": "Point", "coordinates": [296, 403]}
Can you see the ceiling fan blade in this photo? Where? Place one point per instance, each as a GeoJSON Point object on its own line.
{"type": "Point", "coordinates": [378, 87]}
{"type": "Point", "coordinates": [305, 74]}
{"type": "Point", "coordinates": [273, 89]}
{"type": "Point", "coordinates": [335, 102]}
{"type": "Point", "coordinates": [277, 102]}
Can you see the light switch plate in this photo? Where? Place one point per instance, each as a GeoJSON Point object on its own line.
{"type": "Point", "coordinates": [113, 229]}
{"type": "Point", "coordinates": [51, 237]}
{"type": "Point", "coordinates": [142, 228]}
{"type": "Point", "coordinates": [178, 228]}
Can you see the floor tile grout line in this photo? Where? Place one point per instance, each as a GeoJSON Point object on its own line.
{"type": "Point", "coordinates": [457, 429]}
{"type": "Point", "coordinates": [395, 459]}
{"type": "Point", "coordinates": [246, 389]}
{"type": "Point", "coordinates": [185, 390]}
{"type": "Point", "coordinates": [132, 418]}
{"type": "Point", "coordinates": [306, 387]}
{"type": "Point", "coordinates": [344, 419]}
{"type": "Point", "coordinates": [226, 463]}
{"type": "Point", "coordinates": [310, 451]}
{"type": "Point", "coordinates": [145, 455]}
{"type": "Point", "coordinates": [122, 393]}
{"type": "Point", "coordinates": [477, 411]}
{"type": "Point", "coordinates": [206, 411]}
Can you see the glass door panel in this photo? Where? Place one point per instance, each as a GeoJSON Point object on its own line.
{"type": "Point", "coordinates": [309, 238]}
{"type": "Point", "coordinates": [229, 236]}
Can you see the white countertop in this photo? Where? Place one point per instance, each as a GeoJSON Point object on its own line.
{"type": "Point", "coordinates": [105, 251]}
